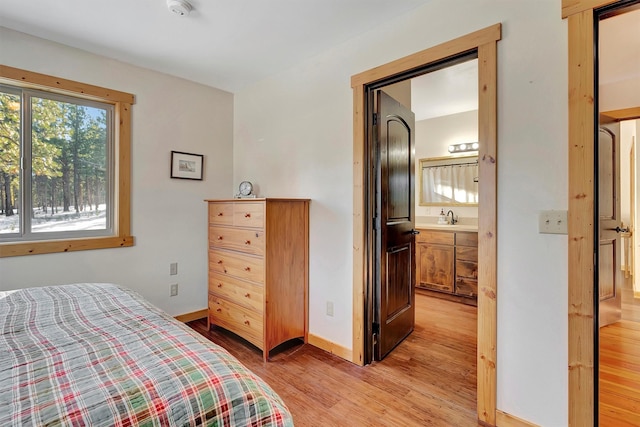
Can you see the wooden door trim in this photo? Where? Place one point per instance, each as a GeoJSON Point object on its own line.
{"type": "Point", "coordinates": [573, 7]}
{"type": "Point", "coordinates": [581, 305]}
{"type": "Point", "coordinates": [484, 41]}
{"type": "Point", "coordinates": [581, 219]}
{"type": "Point", "coordinates": [623, 114]}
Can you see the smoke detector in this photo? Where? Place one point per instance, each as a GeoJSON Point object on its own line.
{"type": "Point", "coordinates": [179, 7]}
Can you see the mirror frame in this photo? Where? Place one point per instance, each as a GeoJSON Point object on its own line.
{"type": "Point", "coordinates": [421, 162]}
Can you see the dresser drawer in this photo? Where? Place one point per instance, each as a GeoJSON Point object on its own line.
{"type": "Point", "coordinates": [237, 239]}
{"type": "Point", "coordinates": [248, 215]}
{"type": "Point", "coordinates": [243, 293]}
{"type": "Point", "coordinates": [237, 319]}
{"type": "Point", "coordinates": [238, 265]}
{"type": "Point", "coordinates": [431, 236]}
{"type": "Point", "coordinates": [221, 213]}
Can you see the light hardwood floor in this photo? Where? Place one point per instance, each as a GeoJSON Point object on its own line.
{"type": "Point", "coordinates": [619, 383]}
{"type": "Point", "coordinates": [428, 380]}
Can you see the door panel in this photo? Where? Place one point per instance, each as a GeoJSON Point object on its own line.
{"type": "Point", "coordinates": [395, 241]}
{"type": "Point", "coordinates": [609, 261]}
{"type": "Point", "coordinates": [399, 296]}
{"type": "Point", "coordinates": [399, 175]}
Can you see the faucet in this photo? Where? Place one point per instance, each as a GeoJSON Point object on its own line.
{"type": "Point", "coordinates": [453, 218]}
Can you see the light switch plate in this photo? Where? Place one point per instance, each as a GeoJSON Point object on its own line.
{"type": "Point", "coordinates": [173, 268]}
{"type": "Point", "coordinates": [330, 308]}
{"type": "Point", "coordinates": [552, 222]}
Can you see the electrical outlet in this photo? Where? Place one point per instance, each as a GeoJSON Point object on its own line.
{"type": "Point", "coordinates": [173, 268]}
{"type": "Point", "coordinates": [552, 222]}
{"type": "Point", "coordinates": [330, 308]}
{"type": "Point", "coordinates": [174, 289]}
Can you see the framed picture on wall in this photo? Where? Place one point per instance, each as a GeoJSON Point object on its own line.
{"type": "Point", "coordinates": [186, 165]}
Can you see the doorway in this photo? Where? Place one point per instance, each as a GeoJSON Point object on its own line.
{"type": "Point", "coordinates": [583, 127]}
{"type": "Point", "coordinates": [484, 42]}
{"type": "Point", "coordinates": [618, 335]}
{"type": "Point", "coordinates": [420, 117]}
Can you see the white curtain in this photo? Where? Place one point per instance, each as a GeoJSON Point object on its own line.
{"type": "Point", "coordinates": [450, 184]}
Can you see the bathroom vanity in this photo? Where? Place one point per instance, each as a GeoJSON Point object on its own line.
{"type": "Point", "coordinates": [447, 262]}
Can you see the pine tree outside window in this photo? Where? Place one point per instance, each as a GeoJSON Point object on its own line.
{"type": "Point", "coordinates": [65, 185]}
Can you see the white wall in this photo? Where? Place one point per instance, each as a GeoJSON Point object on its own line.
{"type": "Point", "coordinates": [433, 137]}
{"type": "Point", "coordinates": [294, 137]}
{"type": "Point", "coordinates": [168, 215]}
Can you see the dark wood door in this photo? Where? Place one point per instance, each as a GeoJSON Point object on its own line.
{"type": "Point", "coordinates": [609, 248]}
{"type": "Point", "coordinates": [395, 241]}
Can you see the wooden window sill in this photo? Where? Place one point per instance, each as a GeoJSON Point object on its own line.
{"type": "Point", "coordinates": [68, 245]}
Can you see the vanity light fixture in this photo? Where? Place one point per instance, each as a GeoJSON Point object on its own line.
{"type": "Point", "coordinates": [464, 147]}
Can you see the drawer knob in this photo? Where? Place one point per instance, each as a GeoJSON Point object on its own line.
{"type": "Point", "coordinates": [247, 269]}
{"type": "Point", "coordinates": [248, 242]}
{"type": "Point", "coordinates": [246, 322]}
{"type": "Point", "coordinates": [247, 295]}
{"type": "Point", "coordinates": [219, 285]}
{"type": "Point", "coordinates": [219, 213]}
{"type": "Point", "coordinates": [219, 310]}
{"type": "Point", "coordinates": [219, 261]}
{"type": "Point", "coordinates": [247, 215]}
{"type": "Point", "coordinates": [219, 237]}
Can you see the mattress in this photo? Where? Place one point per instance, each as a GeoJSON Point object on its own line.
{"type": "Point", "coordinates": [100, 355]}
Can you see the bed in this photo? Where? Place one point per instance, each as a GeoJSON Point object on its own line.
{"type": "Point", "coordinates": [100, 355]}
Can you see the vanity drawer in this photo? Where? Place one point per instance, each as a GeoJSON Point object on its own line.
{"type": "Point", "coordinates": [467, 287]}
{"type": "Point", "coordinates": [237, 239]}
{"type": "Point", "coordinates": [431, 236]}
{"type": "Point", "coordinates": [237, 319]}
{"type": "Point", "coordinates": [248, 215]}
{"type": "Point", "coordinates": [243, 293]}
{"type": "Point", "coordinates": [467, 239]}
{"type": "Point", "coordinates": [221, 213]}
{"type": "Point", "coordinates": [468, 269]}
{"type": "Point", "coordinates": [238, 265]}
{"type": "Point", "coordinates": [467, 253]}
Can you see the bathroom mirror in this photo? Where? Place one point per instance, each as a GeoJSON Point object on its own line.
{"type": "Point", "coordinates": [449, 181]}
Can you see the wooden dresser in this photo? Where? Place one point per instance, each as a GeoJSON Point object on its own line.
{"type": "Point", "coordinates": [258, 269]}
{"type": "Point", "coordinates": [447, 262]}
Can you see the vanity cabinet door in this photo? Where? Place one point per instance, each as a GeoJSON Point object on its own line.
{"type": "Point", "coordinates": [436, 266]}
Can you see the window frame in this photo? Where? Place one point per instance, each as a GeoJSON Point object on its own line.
{"type": "Point", "coordinates": [121, 102]}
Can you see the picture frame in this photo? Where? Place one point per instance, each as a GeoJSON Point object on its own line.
{"type": "Point", "coordinates": [186, 165]}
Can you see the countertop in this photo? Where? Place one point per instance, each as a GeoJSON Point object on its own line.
{"type": "Point", "coordinates": [445, 227]}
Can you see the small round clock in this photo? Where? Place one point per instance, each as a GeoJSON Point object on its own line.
{"type": "Point", "coordinates": [245, 188]}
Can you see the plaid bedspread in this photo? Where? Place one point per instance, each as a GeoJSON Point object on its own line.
{"type": "Point", "coordinates": [100, 355]}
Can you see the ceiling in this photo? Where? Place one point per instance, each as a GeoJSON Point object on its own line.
{"type": "Point", "coordinates": [222, 43]}
{"type": "Point", "coordinates": [620, 47]}
{"type": "Point", "coordinates": [232, 44]}
{"type": "Point", "coordinates": [447, 91]}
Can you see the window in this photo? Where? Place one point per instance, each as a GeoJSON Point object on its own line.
{"type": "Point", "coordinates": [64, 165]}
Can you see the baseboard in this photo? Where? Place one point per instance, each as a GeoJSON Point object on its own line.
{"type": "Point", "coordinates": [330, 347]}
{"type": "Point", "coordinates": [507, 420]}
{"type": "Point", "coordinates": [189, 317]}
